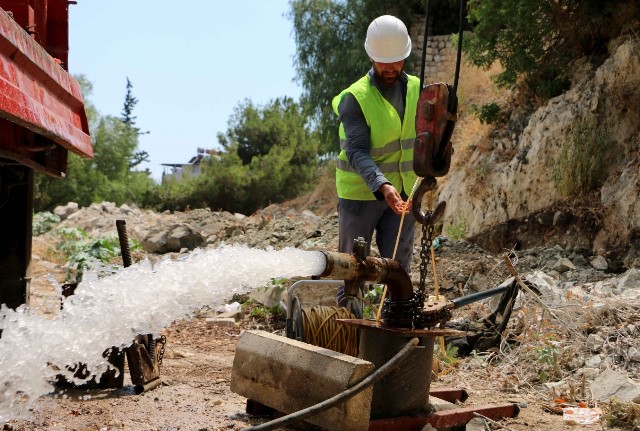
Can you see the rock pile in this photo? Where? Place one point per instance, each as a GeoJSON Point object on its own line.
{"type": "Point", "coordinates": [574, 284]}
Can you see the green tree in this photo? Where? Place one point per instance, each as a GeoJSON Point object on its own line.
{"type": "Point", "coordinates": [276, 143]}
{"type": "Point", "coordinates": [108, 176]}
{"type": "Point", "coordinates": [130, 103]}
{"type": "Point", "coordinates": [329, 36]}
{"type": "Point", "coordinates": [225, 184]}
{"type": "Point", "coordinates": [129, 120]}
{"type": "Point", "coordinates": [534, 41]}
{"type": "Point", "coordinates": [270, 155]}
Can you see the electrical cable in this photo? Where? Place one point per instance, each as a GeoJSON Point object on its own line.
{"type": "Point", "coordinates": [370, 380]}
{"type": "Point", "coordinates": [320, 329]}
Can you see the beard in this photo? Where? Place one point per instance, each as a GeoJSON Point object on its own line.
{"type": "Point", "coordinates": [387, 78]}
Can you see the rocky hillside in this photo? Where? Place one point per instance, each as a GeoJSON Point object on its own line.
{"type": "Point", "coordinates": [503, 189]}
{"type": "Point", "coordinates": [500, 191]}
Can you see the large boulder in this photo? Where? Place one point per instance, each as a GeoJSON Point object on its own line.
{"type": "Point", "coordinates": [183, 236]}
{"type": "Point", "coordinates": [172, 238]}
{"type": "Point", "coordinates": [64, 211]}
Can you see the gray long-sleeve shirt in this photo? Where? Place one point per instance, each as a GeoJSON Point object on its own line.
{"type": "Point", "coordinates": [358, 142]}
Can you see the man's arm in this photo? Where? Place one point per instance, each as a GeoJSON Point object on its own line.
{"type": "Point", "coordinates": [358, 146]}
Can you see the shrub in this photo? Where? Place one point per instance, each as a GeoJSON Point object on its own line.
{"type": "Point", "coordinates": [575, 170]}
{"type": "Point", "coordinates": [457, 231]}
{"type": "Point", "coordinates": [43, 222]}
{"type": "Point", "coordinates": [487, 113]}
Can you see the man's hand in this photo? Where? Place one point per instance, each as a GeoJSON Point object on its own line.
{"type": "Point", "coordinates": [393, 199]}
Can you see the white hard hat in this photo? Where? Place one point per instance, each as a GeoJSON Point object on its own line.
{"type": "Point", "coordinates": [387, 40]}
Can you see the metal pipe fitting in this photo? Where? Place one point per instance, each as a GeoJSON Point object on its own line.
{"type": "Point", "coordinates": [344, 266]}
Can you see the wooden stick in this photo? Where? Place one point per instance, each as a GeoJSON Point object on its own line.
{"type": "Point", "coordinates": [491, 421]}
{"type": "Point", "coordinates": [395, 248]}
{"type": "Point", "coordinates": [526, 288]}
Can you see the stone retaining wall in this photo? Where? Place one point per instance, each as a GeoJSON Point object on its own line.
{"type": "Point", "coordinates": [440, 61]}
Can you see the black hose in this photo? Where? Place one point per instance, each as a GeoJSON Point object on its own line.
{"type": "Point", "coordinates": [478, 296]}
{"type": "Point", "coordinates": [371, 379]}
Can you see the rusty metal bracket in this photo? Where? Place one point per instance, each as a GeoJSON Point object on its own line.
{"type": "Point", "coordinates": [445, 419]}
{"type": "Point", "coordinates": [451, 395]}
{"type": "Point", "coordinates": [143, 369]}
{"type": "Point", "coordinates": [141, 355]}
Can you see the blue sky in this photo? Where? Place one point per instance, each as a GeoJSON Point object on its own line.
{"type": "Point", "coordinates": [190, 62]}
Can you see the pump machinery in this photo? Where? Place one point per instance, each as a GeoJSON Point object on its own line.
{"type": "Point", "coordinates": [381, 378]}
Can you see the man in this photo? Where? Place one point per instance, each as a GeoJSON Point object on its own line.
{"type": "Point", "coordinates": [374, 172]}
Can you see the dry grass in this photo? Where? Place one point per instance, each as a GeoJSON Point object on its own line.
{"type": "Point", "coordinates": [549, 344]}
{"type": "Point", "coordinates": [624, 415]}
{"type": "Point", "coordinates": [323, 199]}
{"type": "Point", "coordinates": [539, 347]}
{"type": "Point", "coordinates": [475, 87]}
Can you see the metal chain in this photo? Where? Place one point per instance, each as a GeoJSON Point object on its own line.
{"type": "Point", "coordinates": [162, 341]}
{"type": "Point", "coordinates": [425, 246]}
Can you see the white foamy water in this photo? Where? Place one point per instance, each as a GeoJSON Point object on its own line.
{"type": "Point", "coordinates": [111, 311]}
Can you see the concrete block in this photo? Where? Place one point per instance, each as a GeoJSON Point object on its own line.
{"type": "Point", "coordinates": [289, 375]}
{"type": "Point", "coordinates": [237, 314]}
{"type": "Point", "coordinates": [220, 321]}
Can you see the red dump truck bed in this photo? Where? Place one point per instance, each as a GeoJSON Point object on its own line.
{"type": "Point", "coordinates": [41, 108]}
{"type": "Point", "coordinates": [42, 118]}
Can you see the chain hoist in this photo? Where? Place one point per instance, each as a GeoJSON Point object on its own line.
{"type": "Point", "coordinates": [428, 221]}
{"type": "Point", "coordinates": [425, 247]}
{"type": "Point", "coordinates": [416, 312]}
{"type": "Point", "coordinates": [436, 116]}
{"type": "Point", "coordinates": [428, 313]}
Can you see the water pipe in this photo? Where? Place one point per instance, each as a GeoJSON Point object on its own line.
{"type": "Point", "coordinates": [349, 267]}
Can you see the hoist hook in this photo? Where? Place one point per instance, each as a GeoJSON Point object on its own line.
{"type": "Point", "coordinates": [430, 217]}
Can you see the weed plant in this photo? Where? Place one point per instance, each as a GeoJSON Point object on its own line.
{"type": "Point", "coordinates": [457, 231]}
{"type": "Point", "coordinates": [86, 253]}
{"type": "Point", "coordinates": [43, 222]}
{"type": "Point", "coordinates": [623, 415]}
{"type": "Point", "coordinates": [575, 171]}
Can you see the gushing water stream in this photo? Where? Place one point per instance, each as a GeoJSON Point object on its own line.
{"type": "Point", "coordinates": [111, 311]}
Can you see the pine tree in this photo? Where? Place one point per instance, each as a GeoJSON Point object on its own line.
{"type": "Point", "coordinates": [129, 120]}
{"type": "Point", "coordinates": [130, 103]}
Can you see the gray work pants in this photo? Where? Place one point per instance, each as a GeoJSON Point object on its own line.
{"type": "Point", "coordinates": [362, 218]}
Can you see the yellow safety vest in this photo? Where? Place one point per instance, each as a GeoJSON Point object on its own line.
{"type": "Point", "coordinates": [391, 139]}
